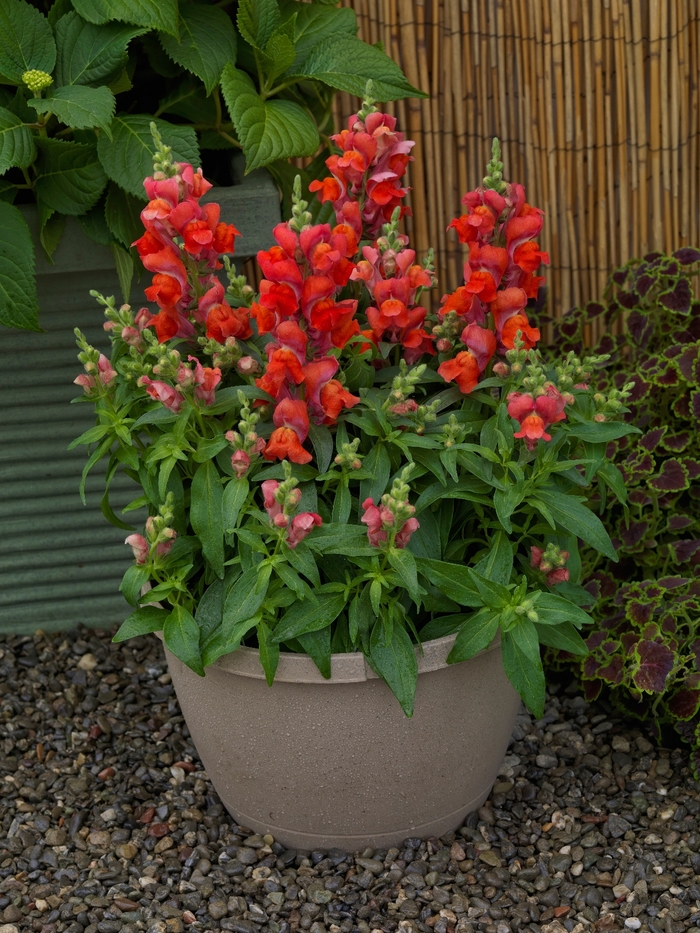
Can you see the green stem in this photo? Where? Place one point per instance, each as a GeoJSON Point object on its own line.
{"type": "Point", "coordinates": [280, 87]}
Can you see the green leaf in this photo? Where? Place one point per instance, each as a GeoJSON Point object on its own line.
{"type": "Point", "coordinates": [125, 270]}
{"type": "Point", "coordinates": [304, 616]}
{"type": "Point", "coordinates": [128, 159]}
{"type": "Point", "coordinates": [154, 14]}
{"type": "Point", "coordinates": [122, 215]}
{"type": "Point", "coordinates": [210, 609]}
{"type": "Point", "coordinates": [563, 636]}
{"type": "Point", "coordinates": [70, 178]}
{"type": "Point", "coordinates": [613, 478]}
{"type": "Point", "coordinates": [245, 597]}
{"type": "Point", "coordinates": [267, 130]}
{"type": "Point", "coordinates": [79, 107]}
{"type": "Point", "coordinates": [441, 626]}
{"type": "Point", "coordinates": [377, 462]}
{"type": "Point", "coordinates": [497, 565]}
{"type": "Point", "coordinates": [133, 582]}
{"type": "Point", "coordinates": [269, 652]}
{"type": "Point", "coordinates": [303, 561]}
{"type": "Point", "coordinates": [235, 495]}
{"type": "Point", "coordinates": [477, 633]}
{"type": "Point", "coordinates": [95, 225]}
{"type": "Point", "coordinates": [17, 149]}
{"type": "Point", "coordinates": [553, 610]}
{"type": "Point", "coordinates": [26, 40]}
{"type": "Point", "coordinates": [346, 63]}
{"type": "Point", "coordinates": [521, 660]}
{"type": "Point", "coordinates": [142, 622]}
{"type": "Point", "coordinates": [188, 100]}
{"type": "Point", "coordinates": [279, 55]}
{"type": "Point", "coordinates": [18, 301]}
{"type": "Point", "coordinates": [342, 502]}
{"type": "Point", "coordinates": [396, 664]}
{"type": "Point", "coordinates": [322, 442]}
{"type": "Point", "coordinates": [318, 647]}
{"type": "Point", "coordinates": [207, 42]}
{"type": "Point", "coordinates": [206, 514]}
{"type": "Point", "coordinates": [571, 515]}
{"type": "Point", "coordinates": [51, 232]}
{"type": "Point", "coordinates": [493, 594]}
{"type": "Point", "coordinates": [315, 25]}
{"type": "Point", "coordinates": [257, 20]}
{"type": "Point", "coordinates": [454, 580]}
{"type": "Point", "coordinates": [90, 54]}
{"type": "Point", "coordinates": [602, 432]}
{"type": "Point", "coordinates": [181, 637]}
{"type": "Point", "coordinates": [404, 563]}
{"type": "Point", "coordinates": [472, 490]}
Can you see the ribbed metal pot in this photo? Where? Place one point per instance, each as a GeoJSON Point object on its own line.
{"type": "Point", "coordinates": [335, 763]}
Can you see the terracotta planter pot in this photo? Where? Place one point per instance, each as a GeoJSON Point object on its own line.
{"type": "Point", "coordinates": [335, 763]}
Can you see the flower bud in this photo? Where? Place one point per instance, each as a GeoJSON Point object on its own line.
{"type": "Point", "coordinates": [247, 366]}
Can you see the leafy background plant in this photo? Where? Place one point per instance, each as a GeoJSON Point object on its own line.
{"type": "Point", "coordinates": [253, 75]}
{"type": "Point", "coordinates": [645, 650]}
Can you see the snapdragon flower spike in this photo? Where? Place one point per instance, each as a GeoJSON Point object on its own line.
{"type": "Point", "coordinates": [392, 522]}
{"type": "Point", "coordinates": [550, 562]}
{"type": "Point", "coordinates": [365, 180]}
{"type": "Point", "coordinates": [281, 501]}
{"type": "Point", "coordinates": [500, 228]}
{"type": "Point", "coordinates": [466, 367]}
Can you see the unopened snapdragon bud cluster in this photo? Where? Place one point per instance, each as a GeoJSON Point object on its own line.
{"type": "Point", "coordinates": [163, 166]}
{"type": "Point", "coordinates": [612, 402]}
{"type": "Point", "coordinates": [301, 217]}
{"type": "Point", "coordinates": [246, 442]}
{"type": "Point", "coordinates": [348, 458]}
{"type": "Point", "coordinates": [403, 385]}
{"type": "Point", "coordinates": [238, 293]}
{"type": "Point", "coordinates": [224, 355]}
{"type": "Point", "coordinates": [454, 432]}
{"type": "Point", "coordinates": [396, 500]}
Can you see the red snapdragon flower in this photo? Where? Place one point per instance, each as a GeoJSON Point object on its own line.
{"type": "Point", "coordinates": [536, 414]}
{"type": "Point", "coordinates": [291, 418]}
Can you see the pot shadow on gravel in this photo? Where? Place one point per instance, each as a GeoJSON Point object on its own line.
{"type": "Point", "coordinates": [108, 823]}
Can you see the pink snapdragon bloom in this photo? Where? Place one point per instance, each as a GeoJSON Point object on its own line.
{"type": "Point", "coordinates": [168, 395]}
{"type": "Point", "coordinates": [240, 461]}
{"type": "Point", "coordinates": [536, 414]}
{"type": "Point", "coordinates": [105, 374]}
{"type": "Point", "coordinates": [380, 519]}
{"type": "Point", "coordinates": [301, 526]}
{"type": "Point", "coordinates": [272, 506]}
{"type": "Point", "coordinates": [404, 535]}
{"type": "Point", "coordinates": [139, 546]}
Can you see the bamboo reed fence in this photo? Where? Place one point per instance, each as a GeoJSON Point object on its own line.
{"type": "Point", "coordinates": [596, 104]}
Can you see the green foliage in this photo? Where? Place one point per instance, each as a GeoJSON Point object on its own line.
{"type": "Point", "coordinates": [18, 301]}
{"type": "Point", "coordinates": [645, 650]}
{"type": "Point", "coordinates": [87, 73]}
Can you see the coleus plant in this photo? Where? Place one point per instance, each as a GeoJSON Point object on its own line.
{"type": "Point", "coordinates": [645, 649]}
{"type": "Point", "coordinates": [327, 467]}
{"type": "Point", "coordinates": [81, 81]}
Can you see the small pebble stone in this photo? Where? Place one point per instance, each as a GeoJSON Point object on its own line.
{"type": "Point", "coordinates": [110, 824]}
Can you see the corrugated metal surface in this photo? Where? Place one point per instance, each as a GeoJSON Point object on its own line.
{"type": "Point", "coordinates": [61, 562]}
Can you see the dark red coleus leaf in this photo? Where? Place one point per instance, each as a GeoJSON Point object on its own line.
{"type": "Point", "coordinates": [651, 589]}
{"type": "Point", "coordinates": [612, 673]}
{"type": "Point", "coordinates": [686, 255]}
{"type": "Point", "coordinates": [638, 462]}
{"type": "Point", "coordinates": [593, 587]}
{"type": "Point", "coordinates": [678, 298]}
{"type": "Point", "coordinates": [629, 300]}
{"type": "Point", "coordinates": [640, 497]}
{"type": "Point", "coordinates": [591, 689]}
{"type": "Point", "coordinates": [655, 664]}
{"type": "Point", "coordinates": [628, 640]}
{"type": "Point", "coordinates": [692, 466]}
{"type": "Point", "coordinates": [610, 646]}
{"type": "Point", "coordinates": [644, 283]}
{"type": "Point", "coordinates": [677, 443]}
{"type": "Point", "coordinates": [590, 667]}
{"type": "Point", "coordinates": [639, 391]}
{"type": "Point", "coordinates": [692, 681]}
{"type": "Point", "coordinates": [651, 632]}
{"type": "Point", "coordinates": [634, 533]}
{"type": "Point", "coordinates": [667, 376]}
{"type": "Point", "coordinates": [619, 277]}
{"type": "Point", "coordinates": [685, 703]}
{"type": "Point", "coordinates": [593, 309]}
{"type": "Point", "coordinates": [606, 345]}
{"type": "Point", "coordinates": [681, 406]}
{"type": "Point", "coordinates": [679, 522]}
{"type": "Point", "coordinates": [650, 441]}
{"type": "Point", "coordinates": [672, 477]}
{"type": "Point", "coordinates": [695, 404]}
{"type": "Point", "coordinates": [640, 327]}
{"type": "Point", "coordinates": [694, 492]}
{"type": "Point", "coordinates": [672, 583]}
{"type": "Point", "coordinates": [639, 612]}
{"type": "Point", "coordinates": [672, 352]}
{"type": "Point", "coordinates": [569, 328]}
{"type": "Point", "coordinates": [687, 363]}
{"type": "Point", "coordinates": [595, 639]}
{"type": "Point", "coordinates": [684, 550]}
{"type": "Point", "coordinates": [668, 624]}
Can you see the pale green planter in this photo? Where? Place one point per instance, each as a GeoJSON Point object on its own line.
{"type": "Point", "coordinates": [60, 562]}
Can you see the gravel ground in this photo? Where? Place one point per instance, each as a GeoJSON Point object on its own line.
{"type": "Point", "coordinates": [108, 823]}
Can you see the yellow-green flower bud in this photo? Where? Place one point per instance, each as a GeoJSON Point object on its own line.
{"type": "Point", "coordinates": [36, 80]}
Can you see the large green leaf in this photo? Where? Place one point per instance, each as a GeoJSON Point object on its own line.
{"type": "Point", "coordinates": [497, 565]}
{"type": "Point", "coordinates": [70, 178]}
{"type": "Point", "coordinates": [257, 20]}
{"type": "Point", "coordinates": [207, 42]}
{"type": "Point", "coordinates": [304, 616]}
{"type": "Point", "coordinates": [154, 14]}
{"type": "Point", "coordinates": [267, 130]}
{"type": "Point", "coordinates": [17, 147]}
{"type": "Point", "coordinates": [454, 580]}
{"type": "Point", "coordinates": [128, 159]}
{"type": "Point", "coordinates": [475, 634]}
{"type": "Point", "coordinates": [145, 620]}
{"type": "Point", "coordinates": [181, 637]}
{"type": "Point", "coordinates": [404, 563]}
{"type": "Point", "coordinates": [573, 517]}
{"type": "Point", "coordinates": [378, 463]}
{"type": "Point", "coordinates": [553, 609]}
{"type": "Point", "coordinates": [318, 647]}
{"type": "Point", "coordinates": [79, 107]}
{"type": "Point", "coordinates": [235, 495]}
{"type": "Point", "coordinates": [26, 40]}
{"type": "Point", "coordinates": [396, 664]}
{"type": "Point", "coordinates": [210, 609]}
{"type": "Point", "coordinates": [245, 598]}
{"type": "Point", "coordinates": [89, 54]}
{"type": "Point", "coordinates": [206, 514]}
{"type": "Point", "coordinates": [563, 636]}
{"type": "Point", "coordinates": [521, 660]}
{"type": "Point", "coordinates": [596, 432]}
{"type": "Point", "coordinates": [269, 652]}
{"type": "Point", "coordinates": [347, 64]}
{"type": "Point", "coordinates": [121, 213]}
{"type": "Point", "coordinates": [18, 301]}
{"type": "Point", "coordinates": [315, 24]}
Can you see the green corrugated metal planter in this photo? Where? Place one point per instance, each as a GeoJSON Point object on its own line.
{"type": "Point", "coordinates": [60, 562]}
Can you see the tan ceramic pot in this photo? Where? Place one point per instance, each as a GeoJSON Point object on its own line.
{"type": "Point", "coordinates": [335, 763]}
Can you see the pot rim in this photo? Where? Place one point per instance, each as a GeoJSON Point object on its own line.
{"type": "Point", "coordinates": [346, 668]}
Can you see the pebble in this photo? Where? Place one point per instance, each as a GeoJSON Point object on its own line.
{"type": "Point", "coordinates": [110, 823]}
